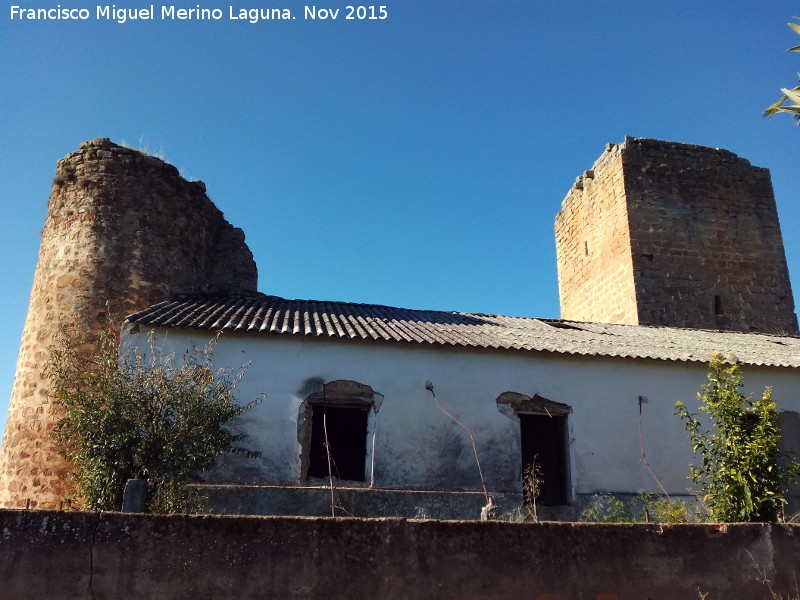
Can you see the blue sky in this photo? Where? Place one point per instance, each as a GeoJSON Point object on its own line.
{"type": "Point", "coordinates": [415, 161]}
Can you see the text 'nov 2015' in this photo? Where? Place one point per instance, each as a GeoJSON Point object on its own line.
{"type": "Point", "coordinates": [153, 12]}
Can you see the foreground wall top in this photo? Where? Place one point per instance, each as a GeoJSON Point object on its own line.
{"type": "Point", "coordinates": [111, 555]}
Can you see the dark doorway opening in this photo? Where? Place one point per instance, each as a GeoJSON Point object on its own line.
{"type": "Point", "coordinates": [347, 440]}
{"type": "Point", "coordinates": [543, 439]}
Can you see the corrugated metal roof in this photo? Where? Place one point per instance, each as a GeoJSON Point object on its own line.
{"type": "Point", "coordinates": [345, 320]}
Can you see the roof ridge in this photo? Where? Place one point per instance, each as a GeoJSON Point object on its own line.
{"type": "Point", "coordinates": [273, 315]}
{"type": "Point", "coordinates": [260, 296]}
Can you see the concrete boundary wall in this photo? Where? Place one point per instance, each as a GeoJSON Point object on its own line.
{"type": "Point", "coordinates": [54, 555]}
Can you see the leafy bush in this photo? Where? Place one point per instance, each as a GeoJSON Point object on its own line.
{"type": "Point", "coordinates": [656, 508]}
{"type": "Point", "coordinates": [664, 510]}
{"type": "Point", "coordinates": [742, 475]}
{"type": "Point", "coordinates": [645, 507]}
{"type": "Point", "coordinates": [126, 415]}
{"type": "Point", "coordinates": [606, 508]}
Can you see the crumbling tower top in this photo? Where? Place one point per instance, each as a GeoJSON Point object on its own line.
{"type": "Point", "coordinates": [123, 231]}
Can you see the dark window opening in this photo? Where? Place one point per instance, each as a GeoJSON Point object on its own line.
{"type": "Point", "coordinates": [717, 305]}
{"type": "Point", "coordinates": [347, 440]}
{"type": "Point", "coordinates": [543, 439]}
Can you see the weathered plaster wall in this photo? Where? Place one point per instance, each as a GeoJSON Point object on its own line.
{"type": "Point", "coordinates": [417, 447]}
{"type": "Point", "coordinates": [662, 233]}
{"type": "Point", "coordinates": [113, 556]}
{"type": "Point", "coordinates": [123, 231]}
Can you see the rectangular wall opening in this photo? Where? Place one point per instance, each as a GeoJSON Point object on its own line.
{"type": "Point", "coordinates": [347, 440]}
{"type": "Point", "coordinates": [544, 440]}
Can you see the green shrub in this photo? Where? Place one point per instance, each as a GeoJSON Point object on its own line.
{"type": "Point", "coordinates": [645, 507]}
{"type": "Point", "coordinates": [607, 509]}
{"type": "Point", "coordinates": [126, 415]}
{"type": "Point", "coordinates": [666, 510]}
{"type": "Point", "coordinates": [742, 475]}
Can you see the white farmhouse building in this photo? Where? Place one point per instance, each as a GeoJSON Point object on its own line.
{"type": "Point", "coordinates": [570, 393]}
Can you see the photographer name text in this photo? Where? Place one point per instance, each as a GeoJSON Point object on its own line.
{"type": "Point", "coordinates": [153, 12]}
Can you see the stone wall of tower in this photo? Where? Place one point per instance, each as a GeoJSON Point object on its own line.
{"type": "Point", "coordinates": [593, 247]}
{"type": "Point", "coordinates": [123, 231]}
{"type": "Point", "coordinates": [706, 242]}
{"type": "Point", "coordinates": [704, 246]}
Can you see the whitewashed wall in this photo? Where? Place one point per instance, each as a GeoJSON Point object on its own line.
{"type": "Point", "coordinates": [417, 447]}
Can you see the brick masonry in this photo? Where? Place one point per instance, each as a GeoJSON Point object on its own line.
{"type": "Point", "coordinates": [662, 233]}
{"type": "Point", "coordinates": [123, 231]}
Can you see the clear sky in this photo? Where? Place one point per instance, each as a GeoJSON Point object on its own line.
{"type": "Point", "coordinates": [415, 161]}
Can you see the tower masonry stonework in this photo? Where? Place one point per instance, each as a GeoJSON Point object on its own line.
{"type": "Point", "coordinates": [663, 233]}
{"type": "Point", "coordinates": [123, 231]}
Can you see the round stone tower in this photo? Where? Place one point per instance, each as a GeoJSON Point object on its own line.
{"type": "Point", "coordinates": [123, 231]}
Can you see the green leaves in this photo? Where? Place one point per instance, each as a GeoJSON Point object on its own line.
{"type": "Point", "coordinates": [741, 473]}
{"type": "Point", "coordinates": [128, 415]}
{"type": "Point", "coordinates": [644, 507]}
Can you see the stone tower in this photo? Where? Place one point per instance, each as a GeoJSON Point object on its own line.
{"type": "Point", "coordinates": [123, 231]}
{"type": "Point", "coordinates": [661, 233]}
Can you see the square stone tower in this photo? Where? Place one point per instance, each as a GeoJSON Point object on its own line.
{"type": "Point", "coordinates": [662, 233]}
